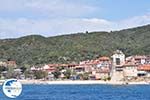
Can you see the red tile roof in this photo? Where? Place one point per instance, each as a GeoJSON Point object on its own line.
{"type": "Point", "coordinates": [11, 62]}
{"type": "Point", "coordinates": [104, 58]}
{"type": "Point", "coordinates": [106, 70]}
{"type": "Point", "coordinates": [139, 57]}
{"type": "Point", "coordinates": [61, 65]}
{"type": "Point", "coordinates": [144, 67]}
{"type": "Point", "coordinates": [129, 64]}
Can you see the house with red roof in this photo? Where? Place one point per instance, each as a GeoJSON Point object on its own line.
{"type": "Point", "coordinates": [144, 70]}
{"type": "Point", "coordinates": [11, 63]}
{"type": "Point", "coordinates": [130, 70]}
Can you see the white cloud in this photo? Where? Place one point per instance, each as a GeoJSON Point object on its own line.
{"type": "Point", "coordinates": [48, 8]}
{"type": "Point", "coordinates": [59, 7]}
{"type": "Point", "coordinates": [12, 5]}
{"type": "Point", "coordinates": [135, 21]}
{"type": "Point", "coordinates": [62, 17]}
{"type": "Point", "coordinates": [52, 27]}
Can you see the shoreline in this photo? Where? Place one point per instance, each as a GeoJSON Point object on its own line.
{"type": "Point", "coordinates": [78, 82]}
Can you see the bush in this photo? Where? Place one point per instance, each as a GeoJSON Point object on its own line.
{"type": "Point", "coordinates": [40, 74]}
{"type": "Point", "coordinates": [56, 74]}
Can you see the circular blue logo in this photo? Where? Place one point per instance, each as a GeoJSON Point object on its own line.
{"type": "Point", "coordinates": [12, 88]}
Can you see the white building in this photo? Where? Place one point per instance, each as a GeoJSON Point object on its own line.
{"type": "Point", "coordinates": [117, 67]}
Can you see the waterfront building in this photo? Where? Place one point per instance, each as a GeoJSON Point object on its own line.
{"type": "Point", "coordinates": [3, 63]}
{"type": "Point", "coordinates": [49, 68]}
{"type": "Point", "coordinates": [117, 66]}
{"type": "Point", "coordinates": [137, 59]}
{"type": "Point", "coordinates": [130, 71]}
{"type": "Point", "coordinates": [12, 64]}
{"type": "Point", "coordinates": [103, 68]}
{"type": "Point", "coordinates": [144, 70]}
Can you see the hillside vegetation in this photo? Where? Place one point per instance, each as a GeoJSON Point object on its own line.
{"type": "Point", "coordinates": [35, 49]}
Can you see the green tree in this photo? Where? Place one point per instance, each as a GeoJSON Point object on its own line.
{"type": "Point", "coordinates": [56, 74]}
{"type": "Point", "coordinates": [85, 76]}
{"type": "Point", "coordinates": [67, 73]}
{"type": "Point", "coordinates": [40, 74]}
{"type": "Point", "coordinates": [23, 69]}
{"type": "Point", "coordinates": [28, 74]}
{"type": "Point", "coordinates": [10, 73]}
{"type": "Point", "coordinates": [3, 68]}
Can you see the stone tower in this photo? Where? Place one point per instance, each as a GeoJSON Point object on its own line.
{"type": "Point", "coordinates": [118, 58]}
{"type": "Point", "coordinates": [117, 66]}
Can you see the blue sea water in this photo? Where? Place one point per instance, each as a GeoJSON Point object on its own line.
{"type": "Point", "coordinates": [82, 92]}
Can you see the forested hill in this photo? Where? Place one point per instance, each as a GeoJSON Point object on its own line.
{"type": "Point", "coordinates": [37, 49]}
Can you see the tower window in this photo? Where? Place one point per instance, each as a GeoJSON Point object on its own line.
{"type": "Point", "coordinates": [117, 61]}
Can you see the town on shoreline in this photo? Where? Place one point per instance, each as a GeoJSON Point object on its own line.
{"type": "Point", "coordinates": [116, 69]}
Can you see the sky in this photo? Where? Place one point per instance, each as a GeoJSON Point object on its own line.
{"type": "Point", "coordinates": [56, 17]}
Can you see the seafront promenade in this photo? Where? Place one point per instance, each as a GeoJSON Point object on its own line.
{"type": "Point", "coordinates": [78, 82]}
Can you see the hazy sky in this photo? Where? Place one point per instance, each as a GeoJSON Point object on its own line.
{"type": "Point", "coordinates": [55, 17]}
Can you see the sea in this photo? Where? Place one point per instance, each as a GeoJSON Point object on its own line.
{"type": "Point", "coordinates": [82, 92]}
